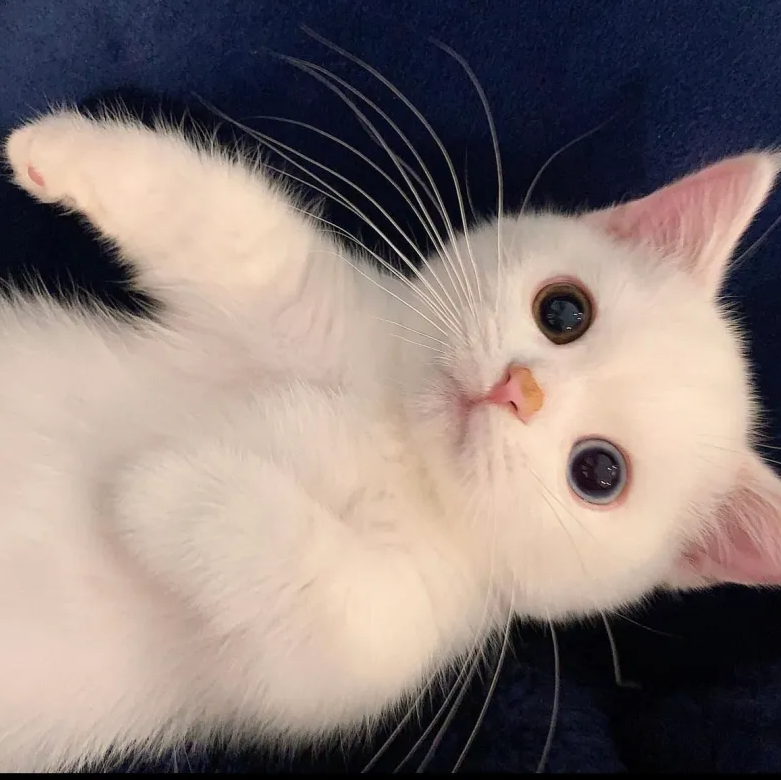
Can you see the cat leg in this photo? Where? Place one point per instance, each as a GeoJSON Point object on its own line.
{"type": "Point", "coordinates": [180, 214]}
{"type": "Point", "coordinates": [321, 627]}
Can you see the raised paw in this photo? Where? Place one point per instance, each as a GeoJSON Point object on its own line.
{"type": "Point", "coordinates": [45, 155]}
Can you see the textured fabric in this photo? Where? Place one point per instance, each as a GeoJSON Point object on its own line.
{"type": "Point", "coordinates": [682, 83]}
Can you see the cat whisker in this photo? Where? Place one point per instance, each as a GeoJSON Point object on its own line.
{"type": "Point", "coordinates": [489, 695]}
{"type": "Point", "coordinates": [391, 270]}
{"type": "Point", "coordinates": [749, 251]}
{"type": "Point", "coordinates": [463, 679]}
{"type": "Point", "coordinates": [467, 190]}
{"type": "Point", "coordinates": [366, 276]}
{"type": "Point", "coordinates": [474, 651]}
{"type": "Point", "coordinates": [619, 678]}
{"type": "Point", "coordinates": [554, 718]}
{"type": "Point", "coordinates": [416, 343]}
{"type": "Point", "coordinates": [467, 672]}
{"type": "Point", "coordinates": [419, 116]}
{"type": "Point", "coordinates": [412, 330]}
{"type": "Point", "coordinates": [496, 149]}
{"type": "Point", "coordinates": [470, 661]}
{"type": "Point", "coordinates": [561, 150]}
{"type": "Point", "coordinates": [555, 156]}
{"type": "Point", "coordinates": [737, 452]}
{"type": "Point", "coordinates": [440, 735]}
{"type": "Point", "coordinates": [430, 229]}
{"type": "Point", "coordinates": [277, 146]}
{"type": "Point", "coordinates": [640, 625]}
{"type": "Point", "coordinates": [558, 517]}
{"type": "Point", "coordinates": [383, 749]}
{"type": "Point", "coordinates": [389, 292]}
{"type": "Point", "coordinates": [325, 77]}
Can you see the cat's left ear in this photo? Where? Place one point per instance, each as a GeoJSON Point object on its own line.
{"type": "Point", "coordinates": [697, 221]}
{"type": "Point", "coordinates": [744, 544]}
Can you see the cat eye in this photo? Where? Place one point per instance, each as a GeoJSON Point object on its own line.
{"type": "Point", "coordinates": [563, 311]}
{"type": "Point", "coordinates": [597, 471]}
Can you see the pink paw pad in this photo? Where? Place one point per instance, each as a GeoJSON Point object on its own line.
{"type": "Point", "coordinates": [35, 176]}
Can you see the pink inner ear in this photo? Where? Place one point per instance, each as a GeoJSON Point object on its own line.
{"type": "Point", "coordinates": [699, 219]}
{"type": "Point", "coordinates": [745, 546]}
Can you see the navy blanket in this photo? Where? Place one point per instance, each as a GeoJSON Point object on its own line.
{"type": "Point", "coordinates": [682, 83]}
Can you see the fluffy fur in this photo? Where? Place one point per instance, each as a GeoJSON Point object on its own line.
{"type": "Point", "coordinates": [275, 509]}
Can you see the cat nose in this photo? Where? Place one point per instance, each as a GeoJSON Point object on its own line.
{"type": "Point", "coordinates": [518, 392]}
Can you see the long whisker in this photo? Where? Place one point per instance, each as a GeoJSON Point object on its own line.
{"type": "Point", "coordinates": [750, 250]}
{"type": "Point", "coordinates": [495, 142]}
{"type": "Point", "coordinates": [614, 652]}
{"type": "Point", "coordinates": [326, 77]}
{"type": "Point", "coordinates": [644, 627]}
{"type": "Point", "coordinates": [276, 145]}
{"type": "Point", "coordinates": [554, 718]}
{"type": "Point", "coordinates": [466, 674]}
{"type": "Point", "coordinates": [411, 330]}
{"type": "Point", "coordinates": [448, 314]}
{"type": "Point", "coordinates": [555, 498]}
{"type": "Point", "coordinates": [440, 735]}
{"type": "Point", "coordinates": [550, 160]}
{"type": "Point", "coordinates": [467, 190]}
{"type": "Point", "coordinates": [352, 265]}
{"type": "Point", "coordinates": [417, 343]}
{"type": "Point", "coordinates": [557, 154]}
{"type": "Point", "coordinates": [489, 695]}
{"type": "Point", "coordinates": [412, 173]}
{"type": "Point", "coordinates": [389, 292]}
{"type": "Point", "coordinates": [419, 116]}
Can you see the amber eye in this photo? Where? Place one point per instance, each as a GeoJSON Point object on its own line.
{"type": "Point", "coordinates": [563, 312]}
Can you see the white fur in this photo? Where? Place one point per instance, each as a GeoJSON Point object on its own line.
{"type": "Point", "coordinates": [259, 512]}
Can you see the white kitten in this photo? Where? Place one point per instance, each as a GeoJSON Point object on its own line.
{"type": "Point", "coordinates": [273, 510]}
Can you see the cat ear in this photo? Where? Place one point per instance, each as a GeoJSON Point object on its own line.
{"type": "Point", "coordinates": [744, 545]}
{"type": "Point", "coordinates": [698, 220]}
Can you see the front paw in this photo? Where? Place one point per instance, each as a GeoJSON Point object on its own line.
{"type": "Point", "coordinates": [45, 155]}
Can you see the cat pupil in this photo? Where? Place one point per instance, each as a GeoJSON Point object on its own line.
{"type": "Point", "coordinates": [597, 471]}
{"type": "Point", "coordinates": [563, 313]}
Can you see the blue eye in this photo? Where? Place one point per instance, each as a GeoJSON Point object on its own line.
{"type": "Point", "coordinates": [562, 311]}
{"type": "Point", "coordinates": [597, 471]}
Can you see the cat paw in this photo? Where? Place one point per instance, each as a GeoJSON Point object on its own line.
{"type": "Point", "coordinates": [44, 155]}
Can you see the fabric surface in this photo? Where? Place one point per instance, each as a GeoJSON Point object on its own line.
{"type": "Point", "coordinates": [682, 83]}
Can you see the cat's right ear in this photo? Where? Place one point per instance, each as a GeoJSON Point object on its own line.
{"type": "Point", "coordinates": [697, 221]}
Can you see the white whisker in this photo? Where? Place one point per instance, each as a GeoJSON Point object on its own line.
{"type": "Point", "coordinates": [276, 146]}
{"type": "Point", "coordinates": [430, 229]}
{"type": "Point", "coordinates": [417, 343]}
{"type": "Point", "coordinates": [495, 142]}
{"type": "Point", "coordinates": [440, 735]}
{"type": "Point", "coordinates": [555, 156]}
{"type": "Point", "coordinates": [419, 116]}
{"type": "Point", "coordinates": [613, 651]}
{"type": "Point", "coordinates": [556, 698]}
{"type": "Point", "coordinates": [489, 695]}
{"type": "Point", "coordinates": [411, 330]}
{"type": "Point", "coordinates": [324, 76]}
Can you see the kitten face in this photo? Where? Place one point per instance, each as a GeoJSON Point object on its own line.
{"type": "Point", "coordinates": [657, 378]}
{"type": "Point", "coordinates": [658, 374]}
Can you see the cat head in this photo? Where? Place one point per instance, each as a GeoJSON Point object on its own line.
{"type": "Point", "coordinates": [588, 412]}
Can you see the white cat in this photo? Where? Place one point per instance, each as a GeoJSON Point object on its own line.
{"type": "Point", "coordinates": [306, 486]}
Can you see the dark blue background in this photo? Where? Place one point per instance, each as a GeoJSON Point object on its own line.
{"type": "Point", "coordinates": [683, 83]}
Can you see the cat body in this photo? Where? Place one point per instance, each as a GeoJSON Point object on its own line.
{"type": "Point", "coordinates": [305, 486]}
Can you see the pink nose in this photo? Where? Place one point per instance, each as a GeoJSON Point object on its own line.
{"type": "Point", "coordinates": [519, 392]}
